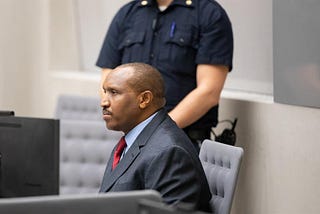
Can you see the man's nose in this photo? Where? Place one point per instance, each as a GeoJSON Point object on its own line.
{"type": "Point", "coordinates": [104, 100]}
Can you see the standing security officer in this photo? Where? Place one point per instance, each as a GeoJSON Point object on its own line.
{"type": "Point", "coordinates": [189, 41]}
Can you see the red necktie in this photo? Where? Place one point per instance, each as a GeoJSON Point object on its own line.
{"type": "Point", "coordinates": [117, 154]}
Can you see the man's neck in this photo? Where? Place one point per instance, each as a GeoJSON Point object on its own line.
{"type": "Point", "coordinates": [164, 2]}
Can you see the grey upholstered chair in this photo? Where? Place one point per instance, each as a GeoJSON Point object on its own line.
{"type": "Point", "coordinates": [85, 143]}
{"type": "Point", "coordinates": [75, 107]}
{"type": "Point", "coordinates": [221, 164]}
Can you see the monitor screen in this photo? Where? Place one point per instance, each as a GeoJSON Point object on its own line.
{"type": "Point", "coordinates": [29, 162]}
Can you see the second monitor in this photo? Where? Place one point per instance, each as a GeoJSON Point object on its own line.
{"type": "Point", "coordinates": [29, 156]}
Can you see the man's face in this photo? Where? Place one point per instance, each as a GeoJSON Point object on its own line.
{"type": "Point", "coordinates": [120, 103]}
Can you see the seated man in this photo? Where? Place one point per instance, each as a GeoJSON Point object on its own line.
{"type": "Point", "coordinates": [157, 154]}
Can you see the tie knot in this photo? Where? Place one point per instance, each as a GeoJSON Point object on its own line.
{"type": "Point", "coordinates": [121, 145]}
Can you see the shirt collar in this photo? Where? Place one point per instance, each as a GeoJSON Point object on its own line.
{"type": "Point", "coordinates": [132, 135]}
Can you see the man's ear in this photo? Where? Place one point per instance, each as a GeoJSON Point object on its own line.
{"type": "Point", "coordinates": [145, 99]}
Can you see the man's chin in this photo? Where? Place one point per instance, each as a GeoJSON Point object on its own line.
{"type": "Point", "coordinates": [111, 127]}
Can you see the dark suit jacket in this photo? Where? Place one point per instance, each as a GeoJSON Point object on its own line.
{"type": "Point", "coordinates": [161, 158]}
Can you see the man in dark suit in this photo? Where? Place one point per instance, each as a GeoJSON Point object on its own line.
{"type": "Point", "coordinates": [158, 154]}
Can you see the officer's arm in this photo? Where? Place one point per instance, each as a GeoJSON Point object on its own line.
{"type": "Point", "coordinates": [210, 82]}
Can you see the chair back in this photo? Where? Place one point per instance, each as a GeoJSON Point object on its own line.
{"type": "Point", "coordinates": [85, 143]}
{"type": "Point", "coordinates": [76, 107]}
{"type": "Point", "coordinates": [221, 163]}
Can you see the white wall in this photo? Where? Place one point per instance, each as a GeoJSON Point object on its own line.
{"type": "Point", "coordinates": [280, 169]}
{"type": "Point", "coordinates": [94, 18]}
{"type": "Point", "coordinates": [281, 166]}
{"type": "Point", "coordinates": [64, 50]}
{"type": "Point", "coordinates": [24, 56]}
{"type": "Point", "coordinates": [253, 61]}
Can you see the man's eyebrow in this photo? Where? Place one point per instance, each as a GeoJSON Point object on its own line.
{"type": "Point", "coordinates": [111, 88]}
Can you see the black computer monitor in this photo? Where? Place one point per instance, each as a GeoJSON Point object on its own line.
{"type": "Point", "coordinates": [29, 162]}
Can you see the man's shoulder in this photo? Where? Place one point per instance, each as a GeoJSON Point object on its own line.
{"type": "Point", "coordinates": [210, 2]}
{"type": "Point", "coordinates": [130, 4]}
{"type": "Point", "coordinates": [212, 11]}
{"type": "Point", "coordinates": [127, 7]}
{"type": "Point", "coordinates": [170, 135]}
{"type": "Point", "coordinates": [210, 5]}
{"type": "Point", "coordinates": [163, 129]}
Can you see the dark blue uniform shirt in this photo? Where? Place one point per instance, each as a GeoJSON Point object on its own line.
{"type": "Point", "coordinates": [174, 41]}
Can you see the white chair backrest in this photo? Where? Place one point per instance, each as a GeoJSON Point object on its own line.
{"type": "Point", "coordinates": [85, 144]}
{"type": "Point", "coordinates": [78, 107]}
{"type": "Point", "coordinates": [221, 164]}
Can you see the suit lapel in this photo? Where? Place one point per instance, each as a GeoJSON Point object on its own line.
{"type": "Point", "coordinates": [111, 176]}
